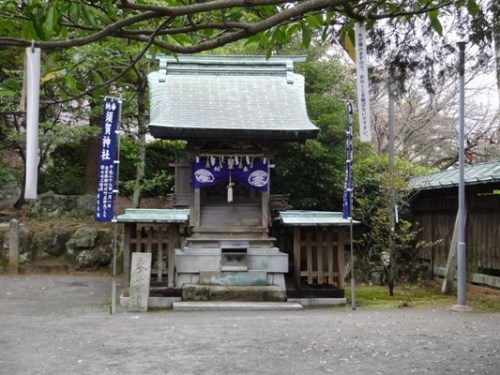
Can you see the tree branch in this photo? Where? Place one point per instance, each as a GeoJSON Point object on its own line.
{"type": "Point", "coordinates": [131, 65]}
{"type": "Point", "coordinates": [249, 30]}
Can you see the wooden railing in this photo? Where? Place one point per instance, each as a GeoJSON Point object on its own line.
{"type": "Point", "coordinates": [319, 256]}
{"type": "Point", "coordinates": [158, 239]}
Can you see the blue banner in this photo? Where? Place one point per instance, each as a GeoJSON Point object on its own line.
{"type": "Point", "coordinates": [106, 183]}
{"type": "Point", "coordinates": [348, 190]}
{"type": "Point", "coordinates": [244, 171]}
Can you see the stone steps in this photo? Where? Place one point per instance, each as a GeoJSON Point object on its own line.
{"type": "Point", "coordinates": [234, 277]}
{"type": "Point", "coordinates": [215, 242]}
{"type": "Point", "coordinates": [236, 306]}
{"type": "Point", "coordinates": [222, 293]}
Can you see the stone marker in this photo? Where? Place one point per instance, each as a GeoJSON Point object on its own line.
{"type": "Point", "coordinates": [140, 275]}
{"type": "Point", "coordinates": [14, 247]}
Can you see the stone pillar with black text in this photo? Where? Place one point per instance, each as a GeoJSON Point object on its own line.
{"type": "Point", "coordinates": [140, 277]}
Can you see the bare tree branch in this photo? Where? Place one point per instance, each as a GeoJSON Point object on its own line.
{"type": "Point", "coordinates": [285, 12]}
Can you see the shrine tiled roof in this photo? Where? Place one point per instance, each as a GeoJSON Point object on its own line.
{"type": "Point", "coordinates": [154, 215]}
{"type": "Point", "coordinates": [473, 174]}
{"type": "Point", "coordinates": [215, 97]}
{"type": "Point", "coordinates": [314, 218]}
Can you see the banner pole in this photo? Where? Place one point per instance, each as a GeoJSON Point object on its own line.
{"type": "Point", "coordinates": [351, 193]}
{"type": "Point", "coordinates": [347, 201]}
{"type": "Point", "coordinates": [115, 221]}
{"type": "Point", "coordinates": [461, 247]}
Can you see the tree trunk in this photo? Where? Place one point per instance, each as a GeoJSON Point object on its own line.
{"type": "Point", "coordinates": [142, 130]}
{"type": "Point", "coordinates": [20, 201]}
{"type": "Point", "coordinates": [92, 161]}
{"type": "Point", "coordinates": [91, 165]}
{"type": "Point", "coordinates": [495, 9]}
{"type": "Point", "coordinates": [391, 280]}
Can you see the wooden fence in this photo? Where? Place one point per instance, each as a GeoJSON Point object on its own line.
{"type": "Point", "coordinates": [436, 211]}
{"type": "Point", "coordinates": [318, 256]}
{"type": "Point", "coordinates": [158, 239]}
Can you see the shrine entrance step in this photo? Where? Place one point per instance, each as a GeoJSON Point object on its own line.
{"type": "Point", "coordinates": [234, 277]}
{"type": "Point", "coordinates": [253, 293]}
{"type": "Point", "coordinates": [236, 306]}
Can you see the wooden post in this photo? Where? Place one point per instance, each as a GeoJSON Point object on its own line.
{"type": "Point", "coordinates": [329, 255]}
{"type": "Point", "coordinates": [296, 256]}
{"type": "Point", "coordinates": [309, 258]}
{"type": "Point", "coordinates": [149, 238]}
{"type": "Point", "coordinates": [196, 208]}
{"type": "Point", "coordinates": [138, 238]}
{"type": "Point", "coordinates": [173, 235]}
{"type": "Point", "coordinates": [265, 209]}
{"type": "Point", "coordinates": [319, 252]}
{"type": "Point", "coordinates": [451, 264]}
{"type": "Point", "coordinates": [159, 255]}
{"type": "Point", "coordinates": [14, 247]}
{"type": "Point", "coordinates": [340, 255]}
{"type": "Point", "coordinates": [126, 255]}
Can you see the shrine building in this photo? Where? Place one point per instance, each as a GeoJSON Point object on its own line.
{"type": "Point", "coordinates": [216, 232]}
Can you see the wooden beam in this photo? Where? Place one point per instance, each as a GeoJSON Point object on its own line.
{"type": "Point", "coordinates": [296, 256]}
{"type": "Point", "coordinates": [129, 227]}
{"type": "Point", "coordinates": [138, 239]}
{"type": "Point", "coordinates": [451, 264]}
{"type": "Point", "coordinates": [159, 257]}
{"type": "Point", "coordinates": [173, 236]}
{"type": "Point", "coordinates": [265, 209]}
{"type": "Point", "coordinates": [329, 255]}
{"type": "Point", "coordinates": [340, 255]}
{"type": "Point", "coordinates": [149, 239]}
{"type": "Point", "coordinates": [319, 252]}
{"type": "Point", "coordinates": [195, 214]}
{"type": "Point", "coordinates": [309, 258]}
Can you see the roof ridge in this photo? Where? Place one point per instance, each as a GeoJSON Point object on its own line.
{"type": "Point", "coordinates": [473, 174]}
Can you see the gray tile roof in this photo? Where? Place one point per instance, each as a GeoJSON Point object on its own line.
{"type": "Point", "coordinates": [473, 174]}
{"type": "Point", "coordinates": [313, 218]}
{"type": "Point", "coordinates": [257, 99]}
{"type": "Point", "coordinates": [154, 215]}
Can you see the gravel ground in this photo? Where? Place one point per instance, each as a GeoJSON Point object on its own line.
{"type": "Point", "coordinates": [61, 325]}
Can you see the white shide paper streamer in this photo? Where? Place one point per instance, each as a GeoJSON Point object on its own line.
{"type": "Point", "coordinates": [32, 109]}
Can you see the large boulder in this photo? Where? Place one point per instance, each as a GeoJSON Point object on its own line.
{"type": "Point", "coordinates": [82, 239]}
{"type": "Point", "coordinates": [10, 190]}
{"type": "Point", "coordinates": [90, 248]}
{"type": "Point", "coordinates": [63, 205]}
{"type": "Point", "coordinates": [51, 241]}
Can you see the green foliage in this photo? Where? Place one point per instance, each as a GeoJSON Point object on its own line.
{"type": "Point", "coordinates": [373, 188]}
{"type": "Point", "coordinates": [312, 173]}
{"type": "Point", "coordinates": [66, 172]}
{"type": "Point", "coordinates": [128, 159]}
{"type": "Point", "coordinates": [65, 175]}
{"type": "Point", "coordinates": [159, 175]}
{"type": "Point", "coordinates": [158, 179]}
{"type": "Point", "coordinates": [8, 175]}
{"type": "Point", "coordinates": [408, 295]}
{"type": "Point", "coordinates": [400, 31]}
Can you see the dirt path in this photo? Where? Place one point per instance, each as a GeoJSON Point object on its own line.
{"type": "Point", "coordinates": [61, 325]}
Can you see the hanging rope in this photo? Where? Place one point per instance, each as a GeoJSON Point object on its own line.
{"type": "Point", "coordinates": [230, 190]}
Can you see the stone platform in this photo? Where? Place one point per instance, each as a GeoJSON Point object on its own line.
{"type": "Point", "coordinates": [267, 293]}
{"type": "Point", "coordinates": [235, 306]}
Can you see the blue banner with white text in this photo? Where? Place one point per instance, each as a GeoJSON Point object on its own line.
{"type": "Point", "coordinates": [106, 182]}
{"type": "Point", "coordinates": [348, 186]}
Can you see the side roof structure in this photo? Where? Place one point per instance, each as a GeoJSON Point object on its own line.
{"type": "Point", "coordinates": [229, 97]}
{"type": "Point", "coordinates": [313, 218]}
{"type": "Point", "coordinates": [473, 174]}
